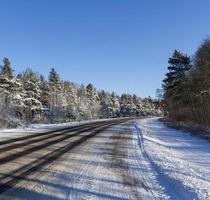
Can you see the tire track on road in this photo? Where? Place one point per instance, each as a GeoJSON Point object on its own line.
{"type": "Point", "coordinates": [13, 178]}
{"type": "Point", "coordinates": [40, 134]}
{"type": "Point", "coordinates": [46, 143]}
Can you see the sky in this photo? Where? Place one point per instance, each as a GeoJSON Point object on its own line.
{"type": "Point", "coordinates": [118, 45]}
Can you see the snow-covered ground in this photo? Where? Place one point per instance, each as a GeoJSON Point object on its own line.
{"type": "Point", "coordinates": [179, 162]}
{"type": "Point", "coordinates": [136, 160]}
{"type": "Point", "coordinates": [33, 128]}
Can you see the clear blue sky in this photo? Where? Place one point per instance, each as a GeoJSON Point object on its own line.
{"type": "Point", "coordinates": [120, 45]}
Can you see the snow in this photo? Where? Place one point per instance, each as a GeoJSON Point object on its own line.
{"type": "Point", "coordinates": [33, 128]}
{"type": "Point", "coordinates": [179, 161]}
{"type": "Point", "coordinates": [139, 159]}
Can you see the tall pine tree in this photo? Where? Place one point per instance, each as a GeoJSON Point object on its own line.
{"type": "Point", "coordinates": [175, 84]}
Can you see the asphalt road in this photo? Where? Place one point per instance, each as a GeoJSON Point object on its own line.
{"type": "Point", "coordinates": [27, 162]}
{"type": "Point", "coordinates": [119, 159]}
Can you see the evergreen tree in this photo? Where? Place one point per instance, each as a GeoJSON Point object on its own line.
{"type": "Point", "coordinates": [30, 98]}
{"type": "Point", "coordinates": [70, 94]}
{"type": "Point", "coordinates": [92, 94]}
{"type": "Point", "coordinates": [56, 98]}
{"type": "Point", "coordinates": [54, 80]}
{"type": "Point", "coordinates": [115, 100]}
{"type": "Point", "coordinates": [10, 98]}
{"type": "Point", "coordinates": [45, 93]}
{"type": "Point", "coordinates": [7, 81]}
{"type": "Point", "coordinates": [106, 110]}
{"type": "Point", "coordinates": [31, 95]}
{"type": "Point", "coordinates": [93, 101]}
{"type": "Point", "coordinates": [179, 64]}
{"type": "Point", "coordinates": [200, 84]}
{"type": "Point", "coordinates": [127, 107]}
{"type": "Point", "coordinates": [175, 85]}
{"type": "Point", "coordinates": [6, 69]}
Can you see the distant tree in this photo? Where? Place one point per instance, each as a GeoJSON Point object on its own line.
{"type": "Point", "coordinates": [54, 80]}
{"type": "Point", "coordinates": [92, 94]}
{"type": "Point", "coordinates": [159, 94]}
{"type": "Point", "coordinates": [56, 98]}
{"type": "Point", "coordinates": [70, 94]}
{"type": "Point", "coordinates": [6, 69]}
{"type": "Point", "coordinates": [10, 98]}
{"type": "Point", "coordinates": [29, 98]}
{"type": "Point", "coordinates": [31, 95]}
{"type": "Point", "coordinates": [127, 106]}
{"type": "Point", "coordinates": [45, 92]}
{"type": "Point", "coordinates": [115, 99]}
{"type": "Point", "coordinates": [7, 83]}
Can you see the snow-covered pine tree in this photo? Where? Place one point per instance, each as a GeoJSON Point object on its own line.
{"type": "Point", "coordinates": [32, 95]}
{"type": "Point", "coordinates": [115, 99]}
{"type": "Point", "coordinates": [54, 80]}
{"type": "Point", "coordinates": [93, 101]}
{"type": "Point", "coordinates": [10, 100]}
{"type": "Point", "coordinates": [6, 69]}
{"type": "Point", "coordinates": [127, 107]}
{"type": "Point", "coordinates": [106, 110]}
{"type": "Point", "coordinates": [82, 104]}
{"type": "Point", "coordinates": [138, 103]}
{"type": "Point", "coordinates": [45, 92]}
{"type": "Point", "coordinates": [56, 98]}
{"type": "Point", "coordinates": [29, 95]}
{"type": "Point", "coordinates": [70, 94]}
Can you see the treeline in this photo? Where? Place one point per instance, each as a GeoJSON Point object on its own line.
{"type": "Point", "coordinates": [29, 98]}
{"type": "Point", "coordinates": [186, 88]}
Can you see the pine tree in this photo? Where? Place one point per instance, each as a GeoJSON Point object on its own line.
{"type": "Point", "coordinates": [6, 69]}
{"type": "Point", "coordinates": [175, 84]}
{"type": "Point", "coordinates": [106, 110]}
{"type": "Point", "coordinates": [7, 83]}
{"type": "Point", "coordinates": [54, 80]}
{"type": "Point", "coordinates": [200, 84]}
{"type": "Point", "coordinates": [56, 98]}
{"type": "Point", "coordinates": [10, 99]}
{"type": "Point", "coordinates": [93, 101]}
{"type": "Point", "coordinates": [115, 104]}
{"type": "Point", "coordinates": [127, 107]}
{"type": "Point", "coordinates": [92, 94]}
{"type": "Point", "coordinates": [45, 92]}
{"type": "Point", "coordinates": [70, 94]}
{"type": "Point", "coordinates": [179, 65]}
{"type": "Point", "coordinates": [30, 98]}
{"type": "Point", "coordinates": [32, 94]}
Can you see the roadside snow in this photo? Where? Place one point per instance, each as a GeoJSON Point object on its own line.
{"type": "Point", "coordinates": [179, 161]}
{"type": "Point", "coordinates": [33, 128]}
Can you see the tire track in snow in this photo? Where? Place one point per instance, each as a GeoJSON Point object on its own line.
{"type": "Point", "coordinates": [168, 184]}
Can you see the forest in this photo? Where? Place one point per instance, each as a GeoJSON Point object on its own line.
{"type": "Point", "coordinates": [28, 98]}
{"type": "Point", "coordinates": [186, 87]}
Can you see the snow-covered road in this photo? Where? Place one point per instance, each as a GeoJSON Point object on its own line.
{"type": "Point", "coordinates": [136, 159]}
